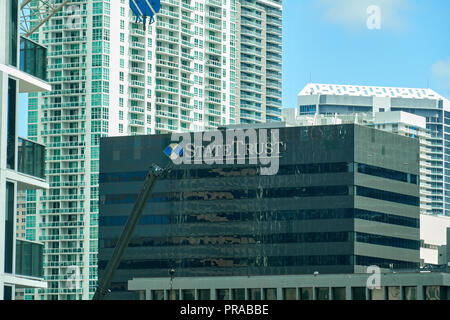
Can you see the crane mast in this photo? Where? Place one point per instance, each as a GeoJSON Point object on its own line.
{"type": "Point", "coordinates": [154, 173]}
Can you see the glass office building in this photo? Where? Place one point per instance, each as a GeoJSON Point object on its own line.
{"type": "Point", "coordinates": [345, 197]}
{"type": "Point", "coordinates": [348, 99]}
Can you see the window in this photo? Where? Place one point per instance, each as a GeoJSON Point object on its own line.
{"type": "Point", "coordinates": [7, 293]}
{"type": "Point", "coordinates": [11, 129]}
{"type": "Point", "coordinates": [188, 294]}
{"type": "Point", "coordinates": [157, 295]}
{"type": "Point", "coordinates": [270, 294]}
{"type": "Point", "coordinates": [306, 293]}
{"type": "Point", "coordinates": [173, 294]}
{"type": "Point", "coordinates": [339, 293]}
{"type": "Point", "coordinates": [289, 294]}
{"type": "Point", "coordinates": [387, 173]}
{"type": "Point", "coordinates": [13, 36]}
{"type": "Point", "coordinates": [387, 241]}
{"type": "Point", "coordinates": [393, 293]}
{"type": "Point", "coordinates": [359, 293]}
{"type": "Point", "coordinates": [410, 293]}
{"type": "Point", "coordinates": [387, 196]}
{"type": "Point", "coordinates": [9, 227]}
{"type": "Point", "coordinates": [223, 294]}
{"type": "Point", "coordinates": [322, 294]}
{"type": "Point", "coordinates": [435, 293]}
{"type": "Point", "coordinates": [204, 294]}
{"type": "Point", "coordinates": [376, 294]}
{"type": "Point", "coordinates": [238, 294]}
{"type": "Point", "coordinates": [254, 294]}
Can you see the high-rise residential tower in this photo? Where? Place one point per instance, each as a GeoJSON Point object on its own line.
{"type": "Point", "coordinates": [112, 77]}
{"type": "Point", "coordinates": [21, 160]}
{"type": "Point", "coordinates": [260, 60]}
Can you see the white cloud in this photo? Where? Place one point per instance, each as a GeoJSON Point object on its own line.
{"type": "Point", "coordinates": [441, 70]}
{"type": "Point", "coordinates": [353, 13]}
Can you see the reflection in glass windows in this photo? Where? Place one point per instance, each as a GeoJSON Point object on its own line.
{"type": "Point", "coordinates": [235, 262]}
{"type": "Point", "coordinates": [409, 293]}
{"type": "Point", "coordinates": [188, 294]}
{"type": "Point", "coordinates": [298, 192]}
{"type": "Point", "coordinates": [270, 294]}
{"type": "Point", "coordinates": [173, 294]}
{"type": "Point", "coordinates": [306, 293]}
{"type": "Point", "coordinates": [435, 293]}
{"type": "Point", "coordinates": [11, 128]}
{"type": "Point", "coordinates": [238, 294]}
{"type": "Point", "coordinates": [359, 293]}
{"type": "Point", "coordinates": [289, 294]}
{"type": "Point", "coordinates": [253, 171]}
{"type": "Point", "coordinates": [322, 294]}
{"type": "Point", "coordinates": [13, 34]}
{"type": "Point", "coordinates": [385, 263]}
{"type": "Point", "coordinates": [269, 216]}
{"type": "Point", "coordinates": [387, 241]}
{"type": "Point", "coordinates": [204, 294]}
{"type": "Point", "coordinates": [393, 293]}
{"type": "Point", "coordinates": [9, 227]}
{"type": "Point", "coordinates": [387, 173]}
{"type": "Point", "coordinates": [338, 293]}
{"type": "Point", "coordinates": [29, 259]}
{"type": "Point", "coordinates": [376, 294]}
{"type": "Point", "coordinates": [387, 196]}
{"type": "Point", "coordinates": [223, 294]}
{"type": "Point", "coordinates": [254, 294]}
{"type": "Point", "coordinates": [232, 239]}
{"type": "Point", "coordinates": [157, 294]}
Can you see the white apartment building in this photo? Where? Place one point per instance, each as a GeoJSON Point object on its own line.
{"type": "Point", "coordinates": [434, 237]}
{"type": "Point", "coordinates": [21, 160]}
{"type": "Point", "coordinates": [349, 99]}
{"type": "Point", "coordinates": [111, 78]}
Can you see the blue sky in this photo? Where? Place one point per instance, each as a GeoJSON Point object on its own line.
{"type": "Point", "coordinates": [328, 41]}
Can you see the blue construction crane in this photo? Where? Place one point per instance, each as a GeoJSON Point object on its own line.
{"type": "Point", "coordinates": [145, 9]}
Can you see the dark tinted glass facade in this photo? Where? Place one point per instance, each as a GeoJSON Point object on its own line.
{"type": "Point", "coordinates": [33, 58]}
{"type": "Point", "coordinates": [29, 259]}
{"type": "Point", "coordinates": [11, 147]}
{"type": "Point", "coordinates": [9, 227]}
{"type": "Point", "coordinates": [31, 158]}
{"type": "Point", "coordinates": [343, 198]}
{"type": "Point", "coordinates": [13, 27]}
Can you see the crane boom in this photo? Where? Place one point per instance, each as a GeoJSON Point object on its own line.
{"type": "Point", "coordinates": [154, 173]}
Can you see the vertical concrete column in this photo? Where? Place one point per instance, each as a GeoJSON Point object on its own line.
{"type": "Point", "coordinates": [280, 293]}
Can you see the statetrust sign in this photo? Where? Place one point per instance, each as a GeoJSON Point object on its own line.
{"type": "Point", "coordinates": [228, 147]}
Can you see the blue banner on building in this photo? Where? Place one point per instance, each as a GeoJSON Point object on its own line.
{"type": "Point", "coordinates": [145, 9]}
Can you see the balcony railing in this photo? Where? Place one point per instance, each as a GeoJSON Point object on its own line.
{"type": "Point", "coordinates": [29, 259]}
{"type": "Point", "coordinates": [33, 58]}
{"type": "Point", "coordinates": [31, 157]}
